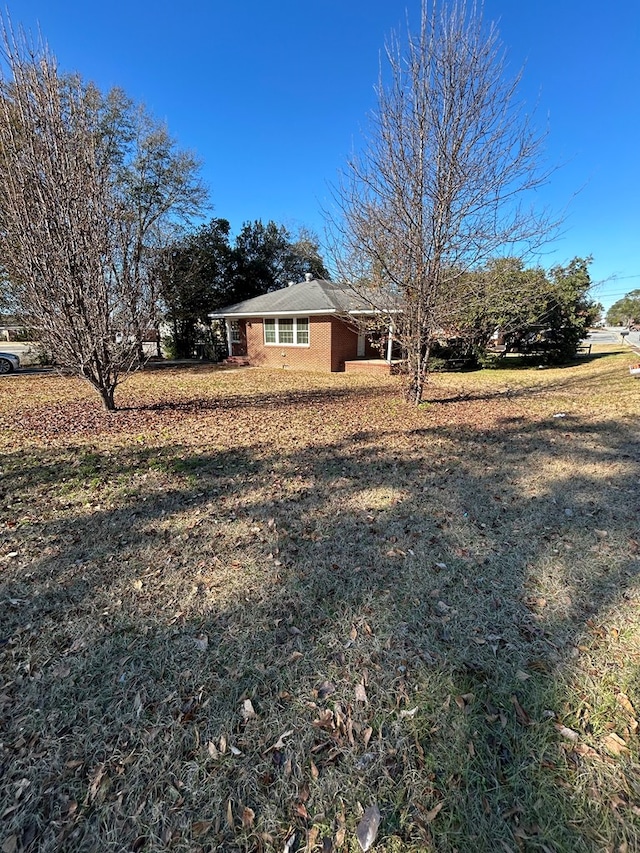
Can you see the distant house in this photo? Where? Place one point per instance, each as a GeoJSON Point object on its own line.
{"type": "Point", "coordinates": [11, 329]}
{"type": "Point", "coordinates": [311, 325]}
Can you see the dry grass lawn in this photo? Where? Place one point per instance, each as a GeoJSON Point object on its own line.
{"type": "Point", "coordinates": [251, 604]}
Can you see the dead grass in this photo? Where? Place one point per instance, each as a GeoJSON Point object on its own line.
{"type": "Point", "coordinates": [250, 604]}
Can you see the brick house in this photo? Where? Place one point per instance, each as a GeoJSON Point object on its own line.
{"type": "Point", "coordinates": [311, 325]}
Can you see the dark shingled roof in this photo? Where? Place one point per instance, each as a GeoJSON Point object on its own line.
{"type": "Point", "coordinates": [316, 296]}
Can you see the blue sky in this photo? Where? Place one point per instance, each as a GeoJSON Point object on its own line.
{"type": "Point", "coordinates": [273, 97]}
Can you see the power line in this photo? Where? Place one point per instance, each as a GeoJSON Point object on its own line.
{"type": "Point", "coordinates": [623, 277]}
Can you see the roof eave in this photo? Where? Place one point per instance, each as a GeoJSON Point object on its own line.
{"type": "Point", "coordinates": [245, 314]}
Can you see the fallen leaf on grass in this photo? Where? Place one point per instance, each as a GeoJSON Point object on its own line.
{"type": "Point", "coordinates": [248, 712]}
{"type": "Point", "coordinates": [212, 749]}
{"type": "Point", "coordinates": [138, 704]}
{"type": "Point", "coordinates": [396, 552]}
{"type": "Point", "coordinates": [248, 817]}
{"type": "Point", "coordinates": [615, 745]}
{"type": "Point", "coordinates": [289, 843]}
{"type": "Point", "coordinates": [522, 676]}
{"type": "Point", "coordinates": [99, 783]}
{"type": "Point", "coordinates": [623, 700]}
{"type": "Point", "coordinates": [405, 713]}
{"type": "Point", "coordinates": [325, 720]}
{"type": "Point", "coordinates": [464, 701]}
{"type": "Point", "coordinates": [279, 744]}
{"type": "Point", "coordinates": [583, 749]}
{"type": "Point", "coordinates": [566, 732]}
{"type": "Point", "coordinates": [200, 827]}
{"type": "Point", "coordinates": [10, 844]}
{"type": "Point", "coordinates": [368, 827]}
{"type": "Point", "coordinates": [361, 694]}
{"type": "Point", "coordinates": [433, 813]}
{"type": "Point", "coordinates": [521, 714]}
{"type": "Point", "coordinates": [325, 689]}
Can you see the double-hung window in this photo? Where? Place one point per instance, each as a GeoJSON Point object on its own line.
{"type": "Point", "coordinates": [235, 332]}
{"type": "Point", "coordinates": [283, 331]}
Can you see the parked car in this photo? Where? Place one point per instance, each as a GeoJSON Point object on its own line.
{"type": "Point", "coordinates": [8, 362]}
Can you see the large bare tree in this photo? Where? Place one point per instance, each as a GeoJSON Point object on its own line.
{"type": "Point", "coordinates": [90, 189]}
{"type": "Point", "coordinates": [440, 184]}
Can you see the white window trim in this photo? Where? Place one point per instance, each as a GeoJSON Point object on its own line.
{"type": "Point", "coordinates": [236, 337]}
{"type": "Point", "coordinates": [277, 342]}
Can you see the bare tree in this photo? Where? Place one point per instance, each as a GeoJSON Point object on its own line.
{"type": "Point", "coordinates": [438, 187]}
{"type": "Point", "coordinates": [89, 187]}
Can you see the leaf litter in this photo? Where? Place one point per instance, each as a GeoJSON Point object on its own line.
{"type": "Point", "coordinates": [147, 543]}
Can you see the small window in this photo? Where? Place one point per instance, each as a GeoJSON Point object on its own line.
{"type": "Point", "coordinates": [235, 332]}
{"type": "Point", "coordinates": [269, 331]}
{"type": "Point", "coordinates": [285, 331]}
{"type": "Point", "coordinates": [302, 331]}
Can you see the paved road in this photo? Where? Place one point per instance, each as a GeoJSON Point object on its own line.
{"type": "Point", "coordinates": [611, 335]}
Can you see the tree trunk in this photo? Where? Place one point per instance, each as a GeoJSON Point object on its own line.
{"type": "Point", "coordinates": [417, 364]}
{"type": "Point", "coordinates": [107, 397]}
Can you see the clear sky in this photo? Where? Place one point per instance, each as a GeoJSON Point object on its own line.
{"type": "Point", "coordinates": [273, 96]}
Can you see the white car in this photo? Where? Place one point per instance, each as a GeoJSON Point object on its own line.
{"type": "Point", "coordinates": [8, 362]}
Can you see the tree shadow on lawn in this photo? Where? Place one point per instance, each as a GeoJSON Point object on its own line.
{"type": "Point", "coordinates": [573, 384]}
{"type": "Point", "coordinates": [380, 601]}
{"type": "Point", "coordinates": [231, 400]}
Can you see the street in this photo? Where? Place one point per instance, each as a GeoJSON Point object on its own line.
{"type": "Point", "coordinates": [611, 335]}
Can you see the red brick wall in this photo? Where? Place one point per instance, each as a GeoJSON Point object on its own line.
{"type": "Point", "coordinates": [331, 343]}
{"type": "Point", "coordinates": [316, 356]}
{"type": "Point", "coordinates": [344, 344]}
